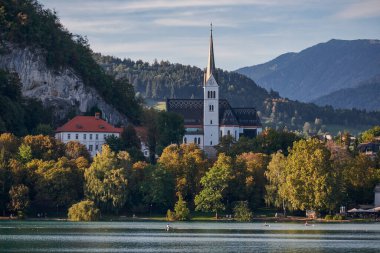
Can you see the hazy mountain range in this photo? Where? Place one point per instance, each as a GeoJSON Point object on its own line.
{"type": "Point", "coordinates": [339, 72]}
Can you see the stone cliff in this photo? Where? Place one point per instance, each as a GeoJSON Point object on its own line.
{"type": "Point", "coordinates": [63, 89]}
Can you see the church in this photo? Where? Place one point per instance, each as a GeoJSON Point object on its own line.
{"type": "Point", "coordinates": [207, 120]}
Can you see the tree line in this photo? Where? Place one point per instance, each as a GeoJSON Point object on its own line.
{"type": "Point", "coordinates": [39, 174]}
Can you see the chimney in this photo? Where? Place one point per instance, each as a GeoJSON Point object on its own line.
{"type": "Point", "coordinates": [97, 115]}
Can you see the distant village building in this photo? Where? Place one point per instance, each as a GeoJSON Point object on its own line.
{"type": "Point", "coordinates": [370, 148]}
{"type": "Point", "coordinates": [207, 120]}
{"type": "Point", "coordinates": [142, 134]}
{"type": "Point", "coordinates": [88, 130]}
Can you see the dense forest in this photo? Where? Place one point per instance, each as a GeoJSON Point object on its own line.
{"type": "Point", "coordinates": [28, 24]}
{"type": "Point", "coordinates": [161, 80]}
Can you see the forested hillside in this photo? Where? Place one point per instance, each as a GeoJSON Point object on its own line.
{"type": "Point", "coordinates": [161, 80]}
{"type": "Point", "coordinates": [365, 96]}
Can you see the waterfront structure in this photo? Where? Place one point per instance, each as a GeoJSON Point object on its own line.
{"type": "Point", "coordinates": [207, 120]}
{"type": "Point", "coordinates": [88, 130]}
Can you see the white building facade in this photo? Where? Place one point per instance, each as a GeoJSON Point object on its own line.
{"type": "Point", "coordinates": [88, 130]}
{"type": "Point", "coordinates": [207, 120]}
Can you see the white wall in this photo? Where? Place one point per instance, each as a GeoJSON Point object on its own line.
{"type": "Point", "coordinates": [190, 139]}
{"type": "Point", "coordinates": [211, 118]}
{"type": "Point", "coordinates": [234, 131]}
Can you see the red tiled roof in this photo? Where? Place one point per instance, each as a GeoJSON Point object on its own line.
{"type": "Point", "coordinates": [88, 124]}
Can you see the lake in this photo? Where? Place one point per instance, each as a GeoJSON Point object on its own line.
{"type": "Point", "coordinates": [62, 236]}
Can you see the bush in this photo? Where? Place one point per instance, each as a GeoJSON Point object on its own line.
{"type": "Point", "coordinates": [84, 211]}
{"type": "Point", "coordinates": [329, 217]}
{"type": "Point", "coordinates": [181, 210]}
{"type": "Point", "coordinates": [170, 216]}
{"type": "Point", "coordinates": [242, 211]}
{"type": "Point", "coordinates": [338, 217]}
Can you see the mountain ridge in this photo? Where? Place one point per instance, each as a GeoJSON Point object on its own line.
{"type": "Point", "coordinates": [319, 70]}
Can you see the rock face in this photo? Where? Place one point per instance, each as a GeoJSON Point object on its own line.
{"type": "Point", "coordinates": [64, 90]}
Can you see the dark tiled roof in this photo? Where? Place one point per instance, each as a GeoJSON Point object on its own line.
{"type": "Point", "coordinates": [192, 112]}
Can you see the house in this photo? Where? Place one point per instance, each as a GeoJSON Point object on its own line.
{"type": "Point", "coordinates": [90, 131]}
{"type": "Point", "coordinates": [207, 120]}
{"type": "Point", "coordinates": [370, 148]}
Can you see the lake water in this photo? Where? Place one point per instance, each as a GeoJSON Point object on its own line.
{"type": "Point", "coordinates": [61, 236]}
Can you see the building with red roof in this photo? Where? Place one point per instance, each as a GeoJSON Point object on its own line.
{"type": "Point", "coordinates": [88, 130]}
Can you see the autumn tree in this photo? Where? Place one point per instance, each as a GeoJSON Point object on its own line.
{"type": "Point", "coordinates": [214, 184]}
{"type": "Point", "coordinates": [44, 147]}
{"type": "Point", "coordinates": [106, 181]}
{"type": "Point", "coordinates": [19, 199]}
{"type": "Point", "coordinates": [74, 150]}
{"type": "Point", "coordinates": [188, 164]}
{"type": "Point", "coordinates": [370, 134]}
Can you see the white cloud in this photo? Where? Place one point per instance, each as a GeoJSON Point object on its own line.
{"type": "Point", "coordinates": [361, 9]}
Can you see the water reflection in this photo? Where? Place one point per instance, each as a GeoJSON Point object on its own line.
{"type": "Point", "coordinates": [25, 236]}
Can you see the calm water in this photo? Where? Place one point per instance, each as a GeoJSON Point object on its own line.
{"type": "Point", "coordinates": [28, 236]}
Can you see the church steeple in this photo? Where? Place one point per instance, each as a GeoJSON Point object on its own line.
{"type": "Point", "coordinates": [211, 62]}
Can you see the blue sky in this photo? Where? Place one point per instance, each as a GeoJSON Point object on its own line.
{"type": "Point", "coordinates": [246, 32]}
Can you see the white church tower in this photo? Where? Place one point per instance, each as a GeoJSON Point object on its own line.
{"type": "Point", "coordinates": [210, 101]}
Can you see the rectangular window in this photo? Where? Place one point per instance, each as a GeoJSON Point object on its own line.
{"type": "Point", "coordinates": [210, 122]}
{"type": "Point", "coordinates": [90, 147]}
{"type": "Point", "coordinates": [96, 136]}
{"type": "Point", "coordinates": [76, 136]}
{"type": "Point", "coordinates": [68, 136]}
{"type": "Point", "coordinates": [105, 135]}
{"type": "Point", "coordinates": [84, 136]}
{"type": "Point", "coordinates": [96, 147]}
{"type": "Point", "coordinates": [90, 136]}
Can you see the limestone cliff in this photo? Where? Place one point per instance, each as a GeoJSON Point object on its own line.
{"type": "Point", "coordinates": [61, 89]}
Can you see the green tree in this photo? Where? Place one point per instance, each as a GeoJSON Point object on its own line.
{"type": "Point", "coordinates": [106, 181]}
{"type": "Point", "coordinates": [25, 153]}
{"type": "Point", "coordinates": [275, 175]}
{"type": "Point", "coordinates": [85, 210]}
{"type": "Point", "coordinates": [19, 199]}
{"type": "Point", "coordinates": [370, 134]}
{"type": "Point", "coordinates": [310, 179]}
{"type": "Point", "coordinates": [214, 184]}
{"type": "Point", "coordinates": [181, 210]}
{"type": "Point", "coordinates": [242, 212]}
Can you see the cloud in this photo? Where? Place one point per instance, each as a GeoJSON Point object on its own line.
{"type": "Point", "coordinates": [361, 9]}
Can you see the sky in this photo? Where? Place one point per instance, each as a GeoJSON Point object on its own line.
{"type": "Point", "coordinates": [246, 32]}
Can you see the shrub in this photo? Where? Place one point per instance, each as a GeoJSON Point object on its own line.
{"type": "Point", "coordinates": [181, 210]}
{"type": "Point", "coordinates": [170, 215]}
{"type": "Point", "coordinates": [242, 211]}
{"type": "Point", "coordinates": [329, 217]}
{"type": "Point", "coordinates": [84, 211]}
{"type": "Point", "coordinates": [338, 217]}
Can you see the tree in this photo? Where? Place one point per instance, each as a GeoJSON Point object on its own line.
{"type": "Point", "coordinates": [188, 164]}
{"type": "Point", "coordinates": [44, 147]}
{"type": "Point", "coordinates": [74, 150]}
{"type": "Point", "coordinates": [214, 183]}
{"type": "Point", "coordinates": [275, 175]}
{"type": "Point", "coordinates": [242, 212]}
{"type": "Point", "coordinates": [106, 181]}
{"type": "Point", "coordinates": [19, 199]}
{"type": "Point", "coordinates": [181, 210]}
{"type": "Point", "coordinates": [370, 134]}
{"type": "Point", "coordinates": [9, 143]}
{"type": "Point", "coordinates": [85, 210]}
{"type": "Point", "coordinates": [25, 153]}
{"type": "Point", "coordinates": [310, 180]}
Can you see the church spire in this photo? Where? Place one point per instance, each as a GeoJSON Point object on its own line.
{"type": "Point", "coordinates": [211, 62]}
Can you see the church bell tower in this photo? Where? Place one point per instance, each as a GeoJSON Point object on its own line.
{"type": "Point", "coordinates": [211, 100]}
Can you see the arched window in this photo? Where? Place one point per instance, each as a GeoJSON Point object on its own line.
{"type": "Point", "coordinates": [228, 132]}
{"type": "Point", "coordinates": [210, 143]}
{"type": "Point", "coordinates": [195, 140]}
{"type": "Point", "coordinates": [208, 94]}
{"type": "Point", "coordinates": [214, 94]}
{"type": "Point", "coordinates": [199, 141]}
{"type": "Point", "coordinates": [235, 135]}
{"type": "Point", "coordinates": [210, 122]}
{"type": "Point", "coordinates": [185, 140]}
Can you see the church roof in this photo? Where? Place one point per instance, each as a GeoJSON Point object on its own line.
{"type": "Point", "coordinates": [192, 112]}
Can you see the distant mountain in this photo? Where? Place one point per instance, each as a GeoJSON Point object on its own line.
{"type": "Point", "coordinates": [319, 70]}
{"type": "Point", "coordinates": [364, 96]}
